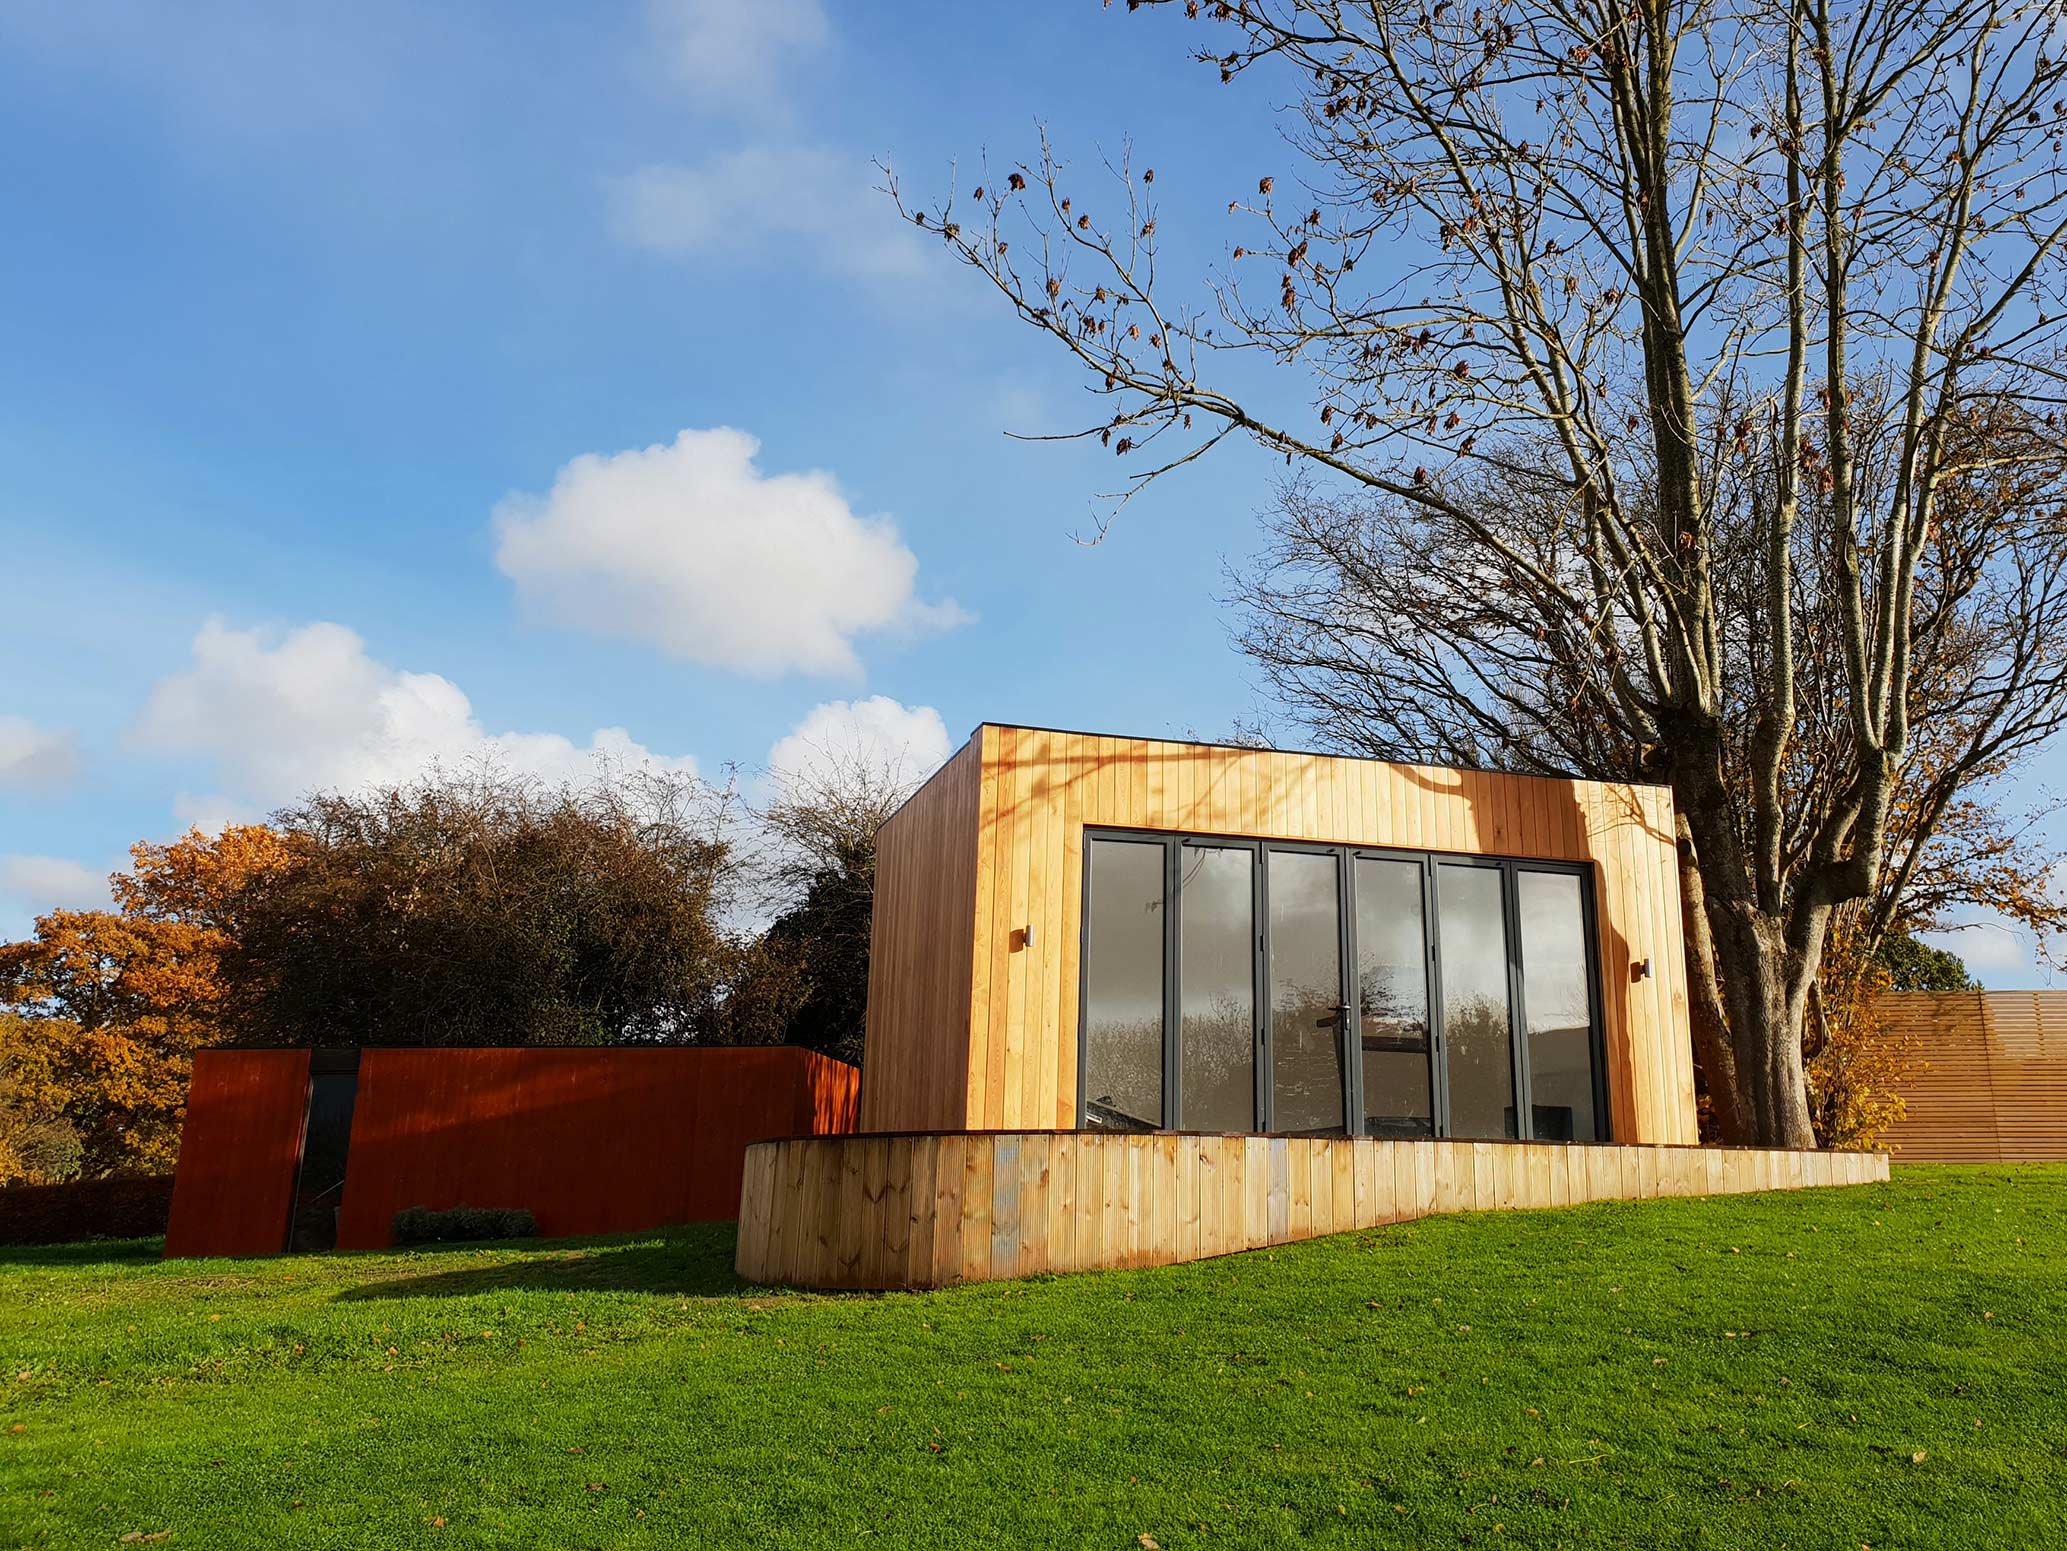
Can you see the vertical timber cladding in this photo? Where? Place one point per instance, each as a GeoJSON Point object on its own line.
{"type": "Point", "coordinates": [916, 1072]}
{"type": "Point", "coordinates": [981, 1032]}
{"type": "Point", "coordinates": [589, 1139]}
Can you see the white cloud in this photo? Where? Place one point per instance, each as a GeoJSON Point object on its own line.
{"type": "Point", "coordinates": [1990, 946]}
{"type": "Point", "coordinates": [733, 53]}
{"type": "Point", "coordinates": [209, 812]}
{"type": "Point", "coordinates": [691, 548]}
{"type": "Point", "coordinates": [32, 885]}
{"type": "Point", "coordinates": [36, 759]}
{"type": "Point", "coordinates": [778, 199]}
{"type": "Point", "coordinates": [764, 202]}
{"type": "Point", "coordinates": [907, 742]}
{"type": "Point", "coordinates": [276, 717]}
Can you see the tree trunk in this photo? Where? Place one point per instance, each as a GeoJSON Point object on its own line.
{"type": "Point", "coordinates": [1765, 1032]}
{"type": "Point", "coordinates": [1711, 1025]}
{"type": "Point", "coordinates": [1744, 957]}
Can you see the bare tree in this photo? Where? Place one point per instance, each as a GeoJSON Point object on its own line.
{"type": "Point", "coordinates": [1363, 623]}
{"type": "Point", "coordinates": [818, 871]}
{"type": "Point", "coordinates": [825, 816]}
{"type": "Point", "coordinates": [1665, 326]}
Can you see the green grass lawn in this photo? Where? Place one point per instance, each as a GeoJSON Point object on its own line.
{"type": "Point", "coordinates": [1879, 1366]}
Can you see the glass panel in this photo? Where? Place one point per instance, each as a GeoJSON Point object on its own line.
{"type": "Point", "coordinates": [1392, 997]}
{"type": "Point", "coordinates": [1123, 988]}
{"type": "Point", "coordinates": [1479, 1058]}
{"type": "Point", "coordinates": [1217, 1000]}
{"type": "Point", "coordinates": [1559, 1003]}
{"type": "Point", "coordinates": [1305, 994]}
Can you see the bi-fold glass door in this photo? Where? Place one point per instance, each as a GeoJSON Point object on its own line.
{"type": "Point", "coordinates": [1474, 966]}
{"type": "Point", "coordinates": [1234, 985]}
{"type": "Point", "coordinates": [1395, 1034]}
{"type": "Point", "coordinates": [1304, 1040]}
{"type": "Point", "coordinates": [1216, 987]}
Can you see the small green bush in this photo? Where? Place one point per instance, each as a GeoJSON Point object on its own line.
{"type": "Point", "coordinates": [449, 1225]}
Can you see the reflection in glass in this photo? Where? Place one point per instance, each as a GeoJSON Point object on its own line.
{"type": "Point", "coordinates": [1392, 997]}
{"type": "Point", "coordinates": [1554, 990]}
{"type": "Point", "coordinates": [1478, 1057]}
{"type": "Point", "coordinates": [1217, 998]}
{"type": "Point", "coordinates": [1305, 994]}
{"type": "Point", "coordinates": [1123, 988]}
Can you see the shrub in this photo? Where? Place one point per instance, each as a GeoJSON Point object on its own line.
{"type": "Point", "coordinates": [124, 1208]}
{"type": "Point", "coordinates": [424, 1225]}
{"type": "Point", "coordinates": [1855, 1068]}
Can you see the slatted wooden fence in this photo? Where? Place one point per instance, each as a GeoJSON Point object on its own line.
{"type": "Point", "coordinates": [589, 1140]}
{"type": "Point", "coordinates": [1990, 1080]}
{"type": "Point", "coordinates": [929, 1209]}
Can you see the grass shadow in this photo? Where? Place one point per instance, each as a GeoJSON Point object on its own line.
{"type": "Point", "coordinates": [689, 1262]}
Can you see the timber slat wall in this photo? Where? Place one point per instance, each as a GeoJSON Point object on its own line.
{"type": "Point", "coordinates": [1991, 1083]}
{"type": "Point", "coordinates": [930, 1210]}
{"type": "Point", "coordinates": [971, 1027]}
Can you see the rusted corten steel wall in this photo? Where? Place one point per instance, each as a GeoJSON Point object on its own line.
{"type": "Point", "coordinates": [238, 1149]}
{"type": "Point", "coordinates": [589, 1140]}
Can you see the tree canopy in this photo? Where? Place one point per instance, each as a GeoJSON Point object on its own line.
{"type": "Point", "coordinates": [818, 872]}
{"type": "Point", "coordinates": [105, 1008]}
{"type": "Point", "coordinates": [481, 908]}
{"type": "Point", "coordinates": [464, 908]}
{"type": "Point", "coordinates": [1917, 966]}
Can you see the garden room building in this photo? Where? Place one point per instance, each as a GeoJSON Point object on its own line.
{"type": "Point", "coordinates": [1076, 932]}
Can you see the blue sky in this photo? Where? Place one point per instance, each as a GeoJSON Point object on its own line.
{"type": "Point", "coordinates": [385, 382]}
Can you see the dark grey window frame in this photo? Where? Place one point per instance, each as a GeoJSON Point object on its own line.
{"type": "Point", "coordinates": [1174, 843]}
{"type": "Point", "coordinates": [1171, 982]}
{"type": "Point", "coordinates": [1438, 1063]}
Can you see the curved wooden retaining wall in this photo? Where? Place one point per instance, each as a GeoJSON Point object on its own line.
{"type": "Point", "coordinates": [927, 1209]}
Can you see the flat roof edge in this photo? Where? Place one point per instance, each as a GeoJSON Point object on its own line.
{"type": "Point", "coordinates": [1249, 748]}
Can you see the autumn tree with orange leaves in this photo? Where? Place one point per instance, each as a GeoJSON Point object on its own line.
{"type": "Point", "coordinates": [107, 1007]}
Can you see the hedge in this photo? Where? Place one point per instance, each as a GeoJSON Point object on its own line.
{"type": "Point", "coordinates": [85, 1209]}
{"type": "Point", "coordinates": [423, 1225]}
